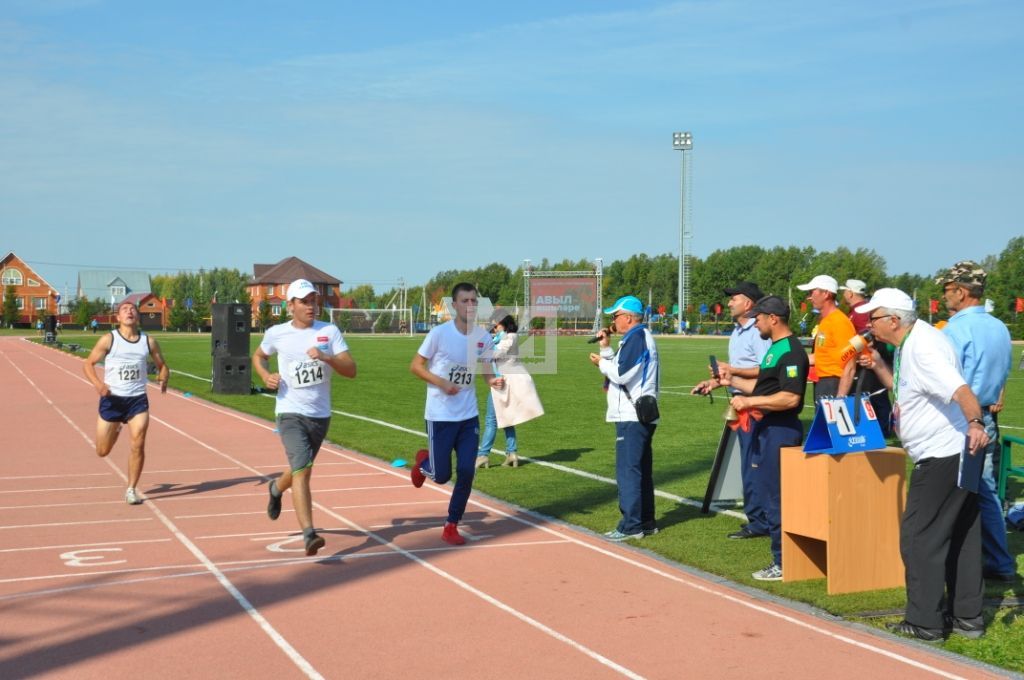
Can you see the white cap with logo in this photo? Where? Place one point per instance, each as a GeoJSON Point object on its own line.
{"type": "Point", "coordinates": [300, 288]}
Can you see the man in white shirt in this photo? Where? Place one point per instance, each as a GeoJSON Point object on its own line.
{"type": "Point", "coordinates": [938, 420]}
{"type": "Point", "coordinates": [308, 353]}
{"type": "Point", "coordinates": [447, 362]}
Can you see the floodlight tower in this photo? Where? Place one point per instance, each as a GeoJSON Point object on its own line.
{"type": "Point", "coordinates": [683, 141]}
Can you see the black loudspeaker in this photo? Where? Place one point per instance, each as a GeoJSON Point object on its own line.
{"type": "Point", "coordinates": [232, 375]}
{"type": "Point", "coordinates": [229, 336]}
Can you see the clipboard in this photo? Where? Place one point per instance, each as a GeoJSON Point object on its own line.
{"type": "Point", "coordinates": [971, 467]}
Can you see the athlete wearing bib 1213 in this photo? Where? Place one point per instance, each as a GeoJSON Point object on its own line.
{"type": "Point", "coordinates": [308, 353]}
{"type": "Point", "coordinates": [447, 362]}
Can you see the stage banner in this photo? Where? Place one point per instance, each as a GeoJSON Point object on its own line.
{"type": "Point", "coordinates": [568, 298]}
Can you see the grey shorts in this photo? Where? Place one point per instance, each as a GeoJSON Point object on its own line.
{"type": "Point", "coordinates": [302, 437]}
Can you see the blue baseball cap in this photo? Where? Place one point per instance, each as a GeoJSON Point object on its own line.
{"type": "Point", "coordinates": [626, 303]}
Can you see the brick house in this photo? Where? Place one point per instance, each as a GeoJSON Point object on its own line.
{"type": "Point", "coordinates": [269, 283]}
{"type": "Point", "coordinates": [152, 311]}
{"type": "Point", "coordinates": [32, 291]}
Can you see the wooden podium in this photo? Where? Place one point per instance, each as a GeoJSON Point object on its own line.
{"type": "Point", "coordinates": [841, 518]}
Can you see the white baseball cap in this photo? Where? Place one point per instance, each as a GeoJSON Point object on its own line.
{"type": "Point", "coordinates": [889, 298]}
{"type": "Point", "coordinates": [822, 281]}
{"type": "Point", "coordinates": [855, 286]}
{"type": "Point", "coordinates": [300, 288]}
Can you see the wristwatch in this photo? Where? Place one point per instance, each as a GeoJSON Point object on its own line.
{"type": "Point", "coordinates": [979, 421]}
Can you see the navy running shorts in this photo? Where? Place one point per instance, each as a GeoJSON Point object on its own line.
{"type": "Point", "coordinates": [115, 409]}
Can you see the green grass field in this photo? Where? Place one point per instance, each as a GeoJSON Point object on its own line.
{"type": "Point", "coordinates": [573, 434]}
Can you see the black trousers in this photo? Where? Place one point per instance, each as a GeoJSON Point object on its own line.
{"type": "Point", "coordinates": [940, 541]}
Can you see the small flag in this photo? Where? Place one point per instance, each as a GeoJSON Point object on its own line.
{"type": "Point", "coordinates": [933, 306]}
{"type": "Point", "coordinates": [1020, 304]}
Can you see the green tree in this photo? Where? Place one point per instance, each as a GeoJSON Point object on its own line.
{"type": "Point", "coordinates": [1006, 280]}
{"type": "Point", "coordinates": [10, 314]}
{"type": "Point", "coordinates": [264, 318]}
{"type": "Point", "coordinates": [179, 318]}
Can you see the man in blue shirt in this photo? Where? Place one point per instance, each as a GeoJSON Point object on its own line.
{"type": "Point", "coordinates": [982, 344]}
{"type": "Point", "coordinates": [746, 350]}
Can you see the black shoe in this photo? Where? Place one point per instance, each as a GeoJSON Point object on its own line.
{"type": "Point", "coordinates": [650, 531]}
{"type": "Point", "coordinates": [906, 628]}
{"type": "Point", "coordinates": [313, 544]}
{"type": "Point", "coordinates": [274, 506]}
{"type": "Point", "coordinates": [965, 627]}
{"type": "Point", "coordinates": [999, 576]}
{"type": "Point", "coordinates": [745, 532]}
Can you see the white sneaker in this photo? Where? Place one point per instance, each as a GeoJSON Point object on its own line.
{"type": "Point", "coordinates": [131, 496]}
{"type": "Point", "coordinates": [772, 572]}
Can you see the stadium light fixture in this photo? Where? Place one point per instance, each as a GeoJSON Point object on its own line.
{"type": "Point", "coordinates": [683, 141]}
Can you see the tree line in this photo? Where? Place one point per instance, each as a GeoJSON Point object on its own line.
{"type": "Point", "coordinates": [653, 278]}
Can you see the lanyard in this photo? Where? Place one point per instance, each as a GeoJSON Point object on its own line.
{"type": "Point", "coordinates": [896, 367]}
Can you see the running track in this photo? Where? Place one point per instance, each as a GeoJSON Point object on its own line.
{"type": "Point", "coordinates": [197, 582]}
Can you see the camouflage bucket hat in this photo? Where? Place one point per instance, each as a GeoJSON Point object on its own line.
{"type": "Point", "coordinates": [965, 271]}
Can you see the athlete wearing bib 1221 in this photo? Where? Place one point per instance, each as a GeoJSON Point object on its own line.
{"type": "Point", "coordinates": [304, 393]}
{"type": "Point", "coordinates": [124, 371]}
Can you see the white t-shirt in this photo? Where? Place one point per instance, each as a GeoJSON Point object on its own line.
{"type": "Point", "coordinates": [305, 383]}
{"type": "Point", "coordinates": [124, 367]}
{"type": "Point", "coordinates": [931, 424]}
{"type": "Point", "coordinates": [453, 356]}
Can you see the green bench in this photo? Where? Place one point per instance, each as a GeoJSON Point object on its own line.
{"type": "Point", "coordinates": [1006, 469]}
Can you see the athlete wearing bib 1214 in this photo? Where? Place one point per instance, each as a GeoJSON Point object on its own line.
{"type": "Point", "coordinates": [308, 353]}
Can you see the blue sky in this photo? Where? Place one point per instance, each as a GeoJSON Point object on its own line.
{"type": "Point", "coordinates": [399, 139]}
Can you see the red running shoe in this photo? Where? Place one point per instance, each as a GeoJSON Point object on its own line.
{"type": "Point", "coordinates": [417, 475]}
{"type": "Point", "coordinates": [451, 534]}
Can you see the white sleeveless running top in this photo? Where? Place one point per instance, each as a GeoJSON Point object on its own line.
{"type": "Point", "coordinates": [125, 365]}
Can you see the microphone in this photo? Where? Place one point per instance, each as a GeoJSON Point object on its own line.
{"type": "Point", "coordinates": [857, 344]}
{"type": "Point", "coordinates": [597, 338]}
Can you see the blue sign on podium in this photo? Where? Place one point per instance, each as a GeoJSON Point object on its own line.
{"type": "Point", "coordinates": [842, 425]}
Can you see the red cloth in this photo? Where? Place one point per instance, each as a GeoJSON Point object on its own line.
{"type": "Point", "coordinates": [743, 420]}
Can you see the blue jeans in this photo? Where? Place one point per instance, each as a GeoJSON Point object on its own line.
{"type": "Point", "coordinates": [996, 557]}
{"type": "Point", "coordinates": [491, 431]}
{"type": "Point", "coordinates": [634, 460]}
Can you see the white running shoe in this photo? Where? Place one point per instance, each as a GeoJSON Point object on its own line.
{"type": "Point", "coordinates": [132, 497]}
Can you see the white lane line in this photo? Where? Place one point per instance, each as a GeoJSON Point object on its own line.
{"type": "Point", "coordinates": [623, 558]}
{"type": "Point", "coordinates": [209, 469]}
{"type": "Point", "coordinates": [73, 524]}
{"type": "Point", "coordinates": [386, 505]}
{"type": "Point", "coordinates": [84, 545]}
{"type": "Point", "coordinates": [300, 662]}
{"type": "Point", "coordinates": [90, 574]}
{"type": "Point", "coordinates": [62, 505]}
{"type": "Point", "coordinates": [245, 566]}
{"type": "Point", "coordinates": [75, 475]}
{"type": "Point", "coordinates": [489, 599]}
{"type": "Point", "coordinates": [67, 488]}
{"type": "Point", "coordinates": [170, 494]}
{"type": "Point", "coordinates": [225, 514]}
